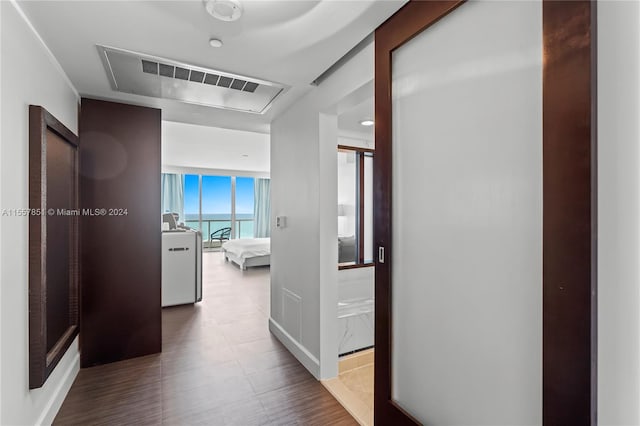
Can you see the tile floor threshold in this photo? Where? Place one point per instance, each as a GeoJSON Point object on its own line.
{"type": "Point", "coordinates": [353, 388]}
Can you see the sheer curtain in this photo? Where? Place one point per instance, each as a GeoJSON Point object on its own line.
{"type": "Point", "coordinates": [173, 194]}
{"type": "Point", "coordinates": [262, 208]}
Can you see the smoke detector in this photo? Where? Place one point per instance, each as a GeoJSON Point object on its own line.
{"type": "Point", "coordinates": [224, 10]}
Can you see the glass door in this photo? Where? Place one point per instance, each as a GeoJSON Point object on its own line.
{"type": "Point", "coordinates": [216, 210]}
{"type": "Point", "coordinates": [244, 199]}
{"type": "Point", "coordinates": [192, 202]}
{"type": "Point", "coordinates": [485, 294]}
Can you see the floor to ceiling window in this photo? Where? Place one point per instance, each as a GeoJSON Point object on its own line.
{"type": "Point", "coordinates": [220, 206]}
{"type": "Point", "coordinates": [216, 201]}
{"type": "Point", "coordinates": [244, 208]}
{"type": "Point", "coordinates": [191, 202]}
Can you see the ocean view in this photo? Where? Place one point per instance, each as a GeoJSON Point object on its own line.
{"type": "Point", "coordinates": [213, 222]}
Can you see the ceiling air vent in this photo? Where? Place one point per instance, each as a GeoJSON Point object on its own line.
{"type": "Point", "coordinates": [182, 73]}
{"type": "Point", "coordinates": [211, 79]}
{"type": "Point", "coordinates": [250, 87]}
{"type": "Point", "coordinates": [238, 84]}
{"type": "Point", "coordinates": [167, 70]}
{"type": "Point", "coordinates": [146, 75]}
{"type": "Point", "coordinates": [224, 81]}
{"type": "Point", "coordinates": [149, 67]}
{"type": "Point", "coordinates": [196, 76]}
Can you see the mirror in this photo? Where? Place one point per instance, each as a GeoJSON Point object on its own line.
{"type": "Point", "coordinates": [355, 185]}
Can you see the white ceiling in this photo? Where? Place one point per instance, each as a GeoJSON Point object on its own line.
{"type": "Point", "coordinates": [349, 120]}
{"type": "Point", "coordinates": [290, 42]}
{"type": "Point", "coordinates": [201, 147]}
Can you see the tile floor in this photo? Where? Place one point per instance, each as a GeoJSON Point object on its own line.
{"type": "Point", "coordinates": [219, 366]}
{"type": "Point", "coordinates": [354, 385]}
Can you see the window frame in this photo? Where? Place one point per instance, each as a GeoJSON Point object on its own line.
{"type": "Point", "coordinates": [235, 228]}
{"type": "Point", "coordinates": [361, 154]}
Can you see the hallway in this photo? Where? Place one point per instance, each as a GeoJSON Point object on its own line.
{"type": "Point", "coordinates": [219, 366]}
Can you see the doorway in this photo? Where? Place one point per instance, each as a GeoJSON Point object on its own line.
{"type": "Point", "coordinates": [353, 385]}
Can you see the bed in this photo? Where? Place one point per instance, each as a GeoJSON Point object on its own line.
{"type": "Point", "coordinates": [248, 252]}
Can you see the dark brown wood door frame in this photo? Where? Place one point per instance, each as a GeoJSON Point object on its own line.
{"type": "Point", "coordinates": [361, 153]}
{"type": "Point", "coordinates": [569, 210]}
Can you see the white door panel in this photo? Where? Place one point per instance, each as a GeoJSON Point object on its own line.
{"type": "Point", "coordinates": [467, 218]}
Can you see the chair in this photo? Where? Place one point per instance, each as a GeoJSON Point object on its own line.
{"type": "Point", "coordinates": [222, 234]}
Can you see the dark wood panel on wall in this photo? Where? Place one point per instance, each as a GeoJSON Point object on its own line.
{"type": "Point", "coordinates": [121, 241]}
{"type": "Point", "coordinates": [569, 361]}
{"type": "Point", "coordinates": [53, 243]}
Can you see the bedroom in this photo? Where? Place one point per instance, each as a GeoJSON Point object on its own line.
{"type": "Point", "coordinates": [217, 182]}
{"type": "Point", "coordinates": [214, 182]}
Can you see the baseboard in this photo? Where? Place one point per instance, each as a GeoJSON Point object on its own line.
{"type": "Point", "coordinates": [301, 353]}
{"type": "Point", "coordinates": [56, 400]}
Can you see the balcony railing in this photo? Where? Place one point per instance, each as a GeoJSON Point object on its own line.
{"type": "Point", "coordinates": [209, 226]}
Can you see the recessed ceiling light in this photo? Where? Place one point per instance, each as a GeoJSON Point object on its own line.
{"type": "Point", "coordinates": [366, 123]}
{"type": "Point", "coordinates": [214, 42]}
{"type": "Point", "coordinates": [225, 10]}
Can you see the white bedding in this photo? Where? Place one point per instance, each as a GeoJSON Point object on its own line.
{"type": "Point", "coordinates": [248, 247]}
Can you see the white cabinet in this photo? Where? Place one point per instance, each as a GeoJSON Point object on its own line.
{"type": "Point", "coordinates": [181, 267]}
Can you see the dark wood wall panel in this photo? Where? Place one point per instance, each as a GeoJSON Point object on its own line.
{"type": "Point", "coordinates": [121, 250]}
{"type": "Point", "coordinates": [60, 239]}
{"type": "Point", "coordinates": [569, 200]}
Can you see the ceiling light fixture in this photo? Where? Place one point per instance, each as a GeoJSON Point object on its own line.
{"type": "Point", "coordinates": [225, 10]}
{"type": "Point", "coordinates": [214, 42]}
{"type": "Point", "coordinates": [366, 123]}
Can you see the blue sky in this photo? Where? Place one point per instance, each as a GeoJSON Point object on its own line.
{"type": "Point", "coordinates": [216, 195]}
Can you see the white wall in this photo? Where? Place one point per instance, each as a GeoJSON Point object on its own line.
{"type": "Point", "coordinates": [328, 228]}
{"type": "Point", "coordinates": [30, 75]}
{"type": "Point", "coordinates": [192, 147]}
{"type": "Point", "coordinates": [304, 255]}
{"type": "Point", "coordinates": [618, 213]}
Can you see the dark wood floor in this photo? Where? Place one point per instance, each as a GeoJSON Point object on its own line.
{"type": "Point", "coordinates": [219, 366]}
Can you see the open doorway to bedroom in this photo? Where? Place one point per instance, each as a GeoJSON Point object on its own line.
{"type": "Point", "coordinates": [211, 213]}
{"type": "Point", "coordinates": [216, 185]}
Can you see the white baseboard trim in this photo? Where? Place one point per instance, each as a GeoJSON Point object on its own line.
{"type": "Point", "coordinates": [56, 400]}
{"type": "Point", "coordinates": [301, 353]}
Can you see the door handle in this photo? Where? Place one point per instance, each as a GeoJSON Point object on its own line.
{"type": "Point", "coordinates": [381, 254]}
